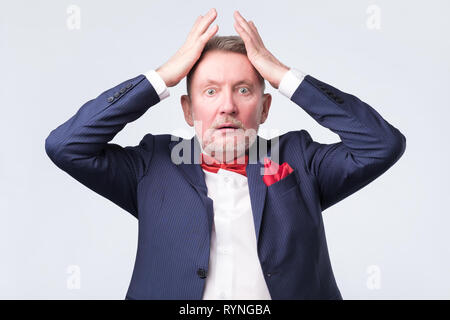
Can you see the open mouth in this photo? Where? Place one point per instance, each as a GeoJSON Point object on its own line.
{"type": "Point", "coordinates": [225, 129]}
{"type": "Point", "coordinates": [227, 126]}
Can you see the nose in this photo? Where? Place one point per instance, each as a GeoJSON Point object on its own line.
{"type": "Point", "coordinates": [228, 105]}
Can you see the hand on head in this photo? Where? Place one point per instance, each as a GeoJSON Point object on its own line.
{"type": "Point", "coordinates": [179, 65]}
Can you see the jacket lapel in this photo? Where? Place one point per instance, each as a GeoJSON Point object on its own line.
{"type": "Point", "coordinates": [196, 177]}
{"type": "Point", "coordinates": [257, 187]}
{"type": "Point", "coordinates": [191, 170]}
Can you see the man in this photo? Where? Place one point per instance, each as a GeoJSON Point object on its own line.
{"type": "Point", "coordinates": [229, 221]}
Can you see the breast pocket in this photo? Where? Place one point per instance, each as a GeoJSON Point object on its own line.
{"type": "Point", "coordinates": [288, 201]}
{"type": "Point", "coordinates": [284, 185]}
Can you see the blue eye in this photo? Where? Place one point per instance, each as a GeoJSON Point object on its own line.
{"type": "Point", "coordinates": [245, 89]}
{"type": "Point", "coordinates": [209, 90]}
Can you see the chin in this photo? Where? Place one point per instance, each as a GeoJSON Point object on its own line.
{"type": "Point", "coordinates": [229, 146]}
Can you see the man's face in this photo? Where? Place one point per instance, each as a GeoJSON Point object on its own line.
{"type": "Point", "coordinates": [225, 90]}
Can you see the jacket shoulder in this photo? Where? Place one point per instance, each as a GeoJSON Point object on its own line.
{"type": "Point", "coordinates": [302, 146]}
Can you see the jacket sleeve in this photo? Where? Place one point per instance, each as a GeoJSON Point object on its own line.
{"type": "Point", "coordinates": [80, 145]}
{"type": "Point", "coordinates": [369, 144]}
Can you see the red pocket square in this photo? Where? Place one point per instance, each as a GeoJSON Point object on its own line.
{"type": "Point", "coordinates": [274, 172]}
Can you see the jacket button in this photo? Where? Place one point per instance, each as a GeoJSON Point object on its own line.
{"type": "Point", "coordinates": [129, 85]}
{"type": "Point", "coordinates": [122, 90]}
{"type": "Point", "coordinates": [201, 273]}
{"type": "Point", "coordinates": [110, 99]}
{"type": "Point", "coordinates": [116, 95]}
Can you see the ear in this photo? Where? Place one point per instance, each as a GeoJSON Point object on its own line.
{"type": "Point", "coordinates": [267, 101]}
{"type": "Point", "coordinates": [187, 108]}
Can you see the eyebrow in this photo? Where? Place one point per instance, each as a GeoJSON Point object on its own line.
{"type": "Point", "coordinates": [212, 81]}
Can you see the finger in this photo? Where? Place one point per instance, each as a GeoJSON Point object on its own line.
{"type": "Point", "coordinates": [248, 41]}
{"type": "Point", "coordinates": [243, 23]}
{"type": "Point", "coordinates": [255, 32]}
{"type": "Point", "coordinates": [194, 27]}
{"type": "Point", "coordinates": [250, 30]}
{"type": "Point", "coordinates": [199, 18]}
{"type": "Point", "coordinates": [208, 34]}
{"type": "Point", "coordinates": [206, 21]}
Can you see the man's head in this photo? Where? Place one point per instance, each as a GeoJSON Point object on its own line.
{"type": "Point", "coordinates": [225, 88]}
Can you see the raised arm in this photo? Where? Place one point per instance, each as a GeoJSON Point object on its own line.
{"type": "Point", "coordinates": [80, 146]}
{"type": "Point", "coordinates": [369, 146]}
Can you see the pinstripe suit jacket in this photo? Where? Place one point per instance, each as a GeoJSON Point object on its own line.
{"type": "Point", "coordinates": [170, 200]}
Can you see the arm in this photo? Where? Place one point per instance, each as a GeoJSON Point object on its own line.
{"type": "Point", "coordinates": [81, 147]}
{"type": "Point", "coordinates": [369, 146]}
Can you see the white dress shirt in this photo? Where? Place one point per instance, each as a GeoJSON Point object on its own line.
{"type": "Point", "coordinates": [234, 271]}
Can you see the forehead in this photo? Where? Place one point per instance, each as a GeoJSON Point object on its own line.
{"type": "Point", "coordinates": [221, 67]}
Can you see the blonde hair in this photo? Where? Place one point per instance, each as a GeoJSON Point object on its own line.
{"type": "Point", "coordinates": [222, 43]}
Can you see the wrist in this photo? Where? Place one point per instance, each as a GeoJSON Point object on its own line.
{"type": "Point", "coordinates": [280, 73]}
{"type": "Point", "coordinates": [163, 76]}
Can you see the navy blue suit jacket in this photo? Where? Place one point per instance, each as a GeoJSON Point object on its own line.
{"type": "Point", "coordinates": [170, 200]}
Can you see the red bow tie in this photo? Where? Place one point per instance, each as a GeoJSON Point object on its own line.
{"type": "Point", "coordinates": [213, 165]}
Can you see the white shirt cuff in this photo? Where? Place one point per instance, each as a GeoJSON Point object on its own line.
{"type": "Point", "coordinates": [290, 82]}
{"type": "Point", "coordinates": [158, 84]}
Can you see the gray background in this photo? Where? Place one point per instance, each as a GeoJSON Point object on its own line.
{"type": "Point", "coordinates": [398, 224]}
